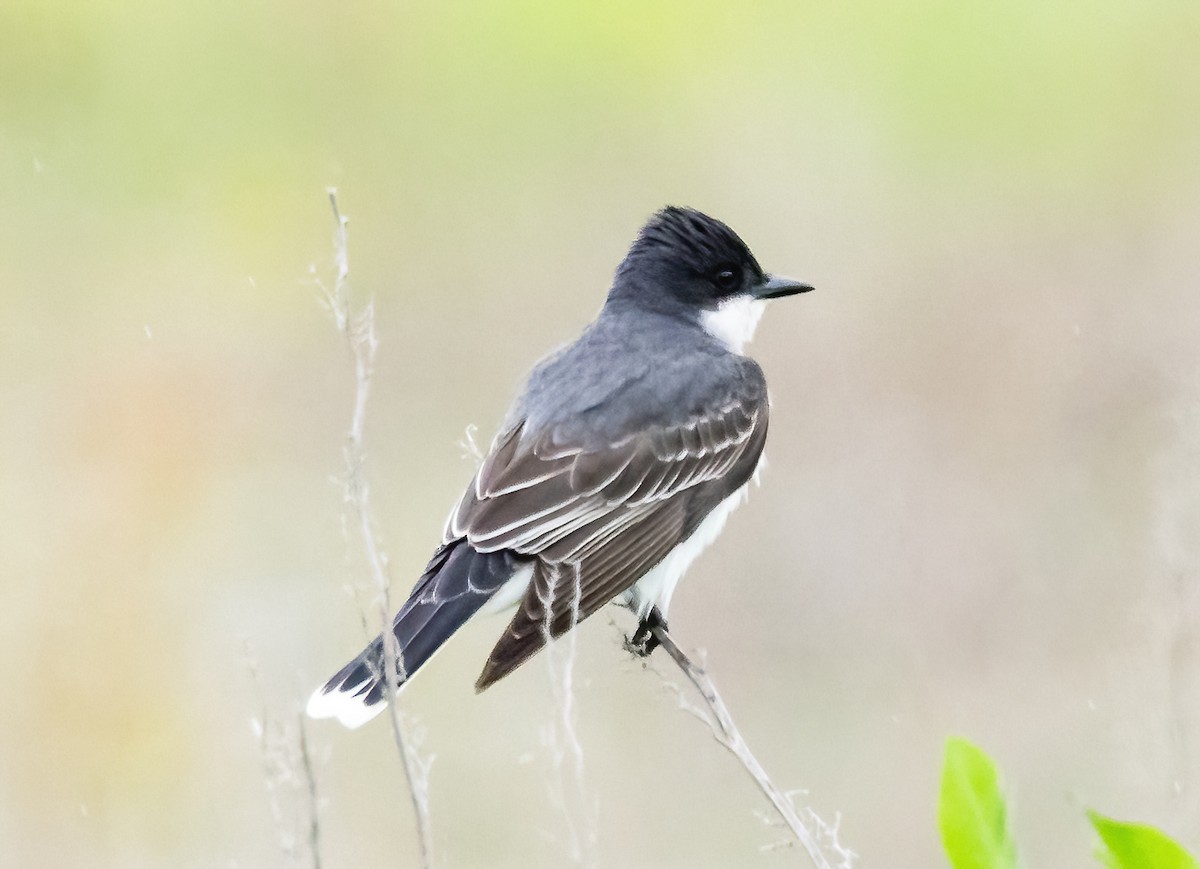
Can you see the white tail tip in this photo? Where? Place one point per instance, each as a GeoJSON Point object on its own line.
{"type": "Point", "coordinates": [350, 710]}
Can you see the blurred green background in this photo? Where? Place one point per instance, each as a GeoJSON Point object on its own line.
{"type": "Point", "coordinates": [982, 513]}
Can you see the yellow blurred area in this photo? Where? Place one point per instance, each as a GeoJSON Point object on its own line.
{"type": "Point", "coordinates": [982, 512]}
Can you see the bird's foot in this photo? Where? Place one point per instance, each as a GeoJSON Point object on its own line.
{"type": "Point", "coordinates": [643, 641]}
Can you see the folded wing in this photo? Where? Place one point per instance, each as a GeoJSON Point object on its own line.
{"type": "Point", "coordinates": [596, 519]}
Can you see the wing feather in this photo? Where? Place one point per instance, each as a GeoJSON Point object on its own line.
{"type": "Point", "coordinates": [530, 502]}
{"type": "Point", "coordinates": [562, 594]}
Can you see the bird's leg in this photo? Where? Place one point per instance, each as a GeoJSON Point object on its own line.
{"type": "Point", "coordinates": [643, 641]}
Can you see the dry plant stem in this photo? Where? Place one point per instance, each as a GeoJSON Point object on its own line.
{"type": "Point", "coordinates": [729, 736]}
{"type": "Point", "coordinates": [287, 762]}
{"type": "Point", "coordinates": [359, 329]}
{"type": "Point", "coordinates": [310, 779]}
{"type": "Point", "coordinates": [416, 768]}
{"type": "Point", "coordinates": [568, 790]}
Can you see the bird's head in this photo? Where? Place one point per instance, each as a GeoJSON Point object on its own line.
{"type": "Point", "coordinates": [688, 262]}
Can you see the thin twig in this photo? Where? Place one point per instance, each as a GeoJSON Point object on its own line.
{"type": "Point", "coordinates": [728, 735]}
{"type": "Point", "coordinates": [310, 780]}
{"type": "Point", "coordinates": [568, 788]}
{"type": "Point", "coordinates": [359, 329]}
{"type": "Point", "coordinates": [290, 776]}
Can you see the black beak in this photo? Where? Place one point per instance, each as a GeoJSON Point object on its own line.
{"type": "Point", "coordinates": [773, 287]}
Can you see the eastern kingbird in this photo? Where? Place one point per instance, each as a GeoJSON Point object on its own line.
{"type": "Point", "coordinates": [617, 464]}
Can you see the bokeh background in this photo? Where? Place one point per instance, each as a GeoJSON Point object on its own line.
{"type": "Point", "coordinates": [982, 514]}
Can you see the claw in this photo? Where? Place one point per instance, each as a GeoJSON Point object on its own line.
{"type": "Point", "coordinates": [643, 641]}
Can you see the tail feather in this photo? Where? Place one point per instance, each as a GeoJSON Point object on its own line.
{"type": "Point", "coordinates": [456, 583]}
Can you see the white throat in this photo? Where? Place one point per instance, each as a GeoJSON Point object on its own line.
{"type": "Point", "coordinates": [734, 322]}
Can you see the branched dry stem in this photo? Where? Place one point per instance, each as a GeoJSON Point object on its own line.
{"type": "Point", "coordinates": [310, 781]}
{"type": "Point", "coordinates": [814, 835]}
{"type": "Point", "coordinates": [288, 768]}
{"type": "Point", "coordinates": [568, 790]}
{"type": "Point", "coordinates": [358, 326]}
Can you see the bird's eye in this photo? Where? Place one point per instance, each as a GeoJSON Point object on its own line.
{"type": "Point", "coordinates": [727, 278]}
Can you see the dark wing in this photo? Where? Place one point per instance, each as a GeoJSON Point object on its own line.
{"type": "Point", "coordinates": [597, 519]}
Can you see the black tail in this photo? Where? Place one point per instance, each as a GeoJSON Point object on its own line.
{"type": "Point", "coordinates": [456, 583]}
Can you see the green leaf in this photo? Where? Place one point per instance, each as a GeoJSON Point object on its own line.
{"type": "Point", "coordinates": [971, 811]}
{"type": "Point", "coordinates": [1138, 846]}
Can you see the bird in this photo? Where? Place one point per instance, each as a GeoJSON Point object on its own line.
{"type": "Point", "coordinates": [618, 462]}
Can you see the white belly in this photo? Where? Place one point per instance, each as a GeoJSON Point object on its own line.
{"type": "Point", "coordinates": [657, 586]}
